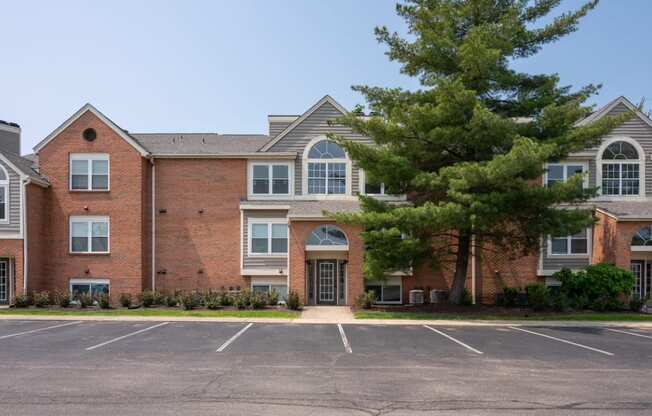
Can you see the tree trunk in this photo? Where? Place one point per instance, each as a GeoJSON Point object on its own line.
{"type": "Point", "coordinates": [461, 266]}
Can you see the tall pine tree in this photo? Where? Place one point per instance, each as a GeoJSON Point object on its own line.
{"type": "Point", "coordinates": [469, 146]}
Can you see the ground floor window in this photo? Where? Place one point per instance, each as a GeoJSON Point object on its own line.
{"type": "Point", "coordinates": [93, 287]}
{"type": "Point", "coordinates": [282, 290]}
{"type": "Point", "coordinates": [389, 291]}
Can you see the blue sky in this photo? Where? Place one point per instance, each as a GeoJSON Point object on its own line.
{"type": "Point", "coordinates": [222, 66]}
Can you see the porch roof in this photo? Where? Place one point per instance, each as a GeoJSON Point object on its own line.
{"type": "Point", "coordinates": [298, 209]}
{"type": "Point", "coordinates": [626, 210]}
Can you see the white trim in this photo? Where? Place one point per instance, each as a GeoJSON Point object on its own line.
{"type": "Point", "coordinates": [264, 207]}
{"type": "Point", "coordinates": [270, 164]}
{"type": "Point", "coordinates": [566, 163]}
{"type": "Point", "coordinates": [288, 129]}
{"type": "Point", "coordinates": [641, 248]}
{"type": "Point", "coordinates": [4, 184]}
{"type": "Point", "coordinates": [362, 178]}
{"type": "Point", "coordinates": [89, 158]}
{"type": "Point", "coordinates": [269, 222]}
{"type": "Point", "coordinates": [89, 220]}
{"type": "Point", "coordinates": [641, 167]}
{"type": "Point", "coordinates": [569, 255]}
{"type": "Point", "coordinates": [281, 119]}
{"type": "Point", "coordinates": [327, 248]}
{"type": "Point", "coordinates": [88, 107]}
{"type": "Point", "coordinates": [23, 231]}
{"type": "Point", "coordinates": [304, 170]}
{"type": "Point", "coordinates": [607, 109]}
{"type": "Point", "coordinates": [264, 272]}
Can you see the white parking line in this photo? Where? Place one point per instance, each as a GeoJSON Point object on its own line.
{"type": "Point", "coordinates": [629, 333]}
{"type": "Point", "coordinates": [468, 347]}
{"type": "Point", "coordinates": [565, 341]}
{"type": "Point", "coordinates": [345, 341]}
{"type": "Point", "coordinates": [40, 329]}
{"type": "Point", "coordinates": [111, 341]}
{"type": "Point", "coordinates": [233, 338]}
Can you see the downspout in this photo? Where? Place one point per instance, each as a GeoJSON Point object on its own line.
{"type": "Point", "coordinates": [23, 198]}
{"type": "Point", "coordinates": [153, 224]}
{"type": "Point", "coordinates": [473, 272]}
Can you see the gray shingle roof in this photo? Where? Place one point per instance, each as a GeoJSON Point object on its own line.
{"type": "Point", "coordinates": [626, 209]}
{"type": "Point", "coordinates": [309, 208]}
{"type": "Point", "coordinates": [27, 166]}
{"type": "Point", "coordinates": [200, 143]}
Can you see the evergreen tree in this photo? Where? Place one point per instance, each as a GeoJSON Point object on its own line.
{"type": "Point", "coordinates": [469, 146]}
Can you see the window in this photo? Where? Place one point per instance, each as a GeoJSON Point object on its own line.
{"type": "Point", "coordinates": [327, 169]}
{"type": "Point", "coordinates": [561, 172]}
{"type": "Point", "coordinates": [4, 195]}
{"type": "Point", "coordinates": [386, 292]}
{"type": "Point", "coordinates": [282, 290]}
{"type": "Point", "coordinates": [268, 238]}
{"type": "Point", "coordinates": [89, 234]}
{"type": "Point", "coordinates": [570, 245]}
{"type": "Point", "coordinates": [621, 166]}
{"type": "Point", "coordinates": [642, 240]}
{"type": "Point", "coordinates": [270, 179]}
{"type": "Point", "coordinates": [327, 235]}
{"type": "Point", "coordinates": [89, 172]}
{"type": "Point", "coordinates": [92, 287]}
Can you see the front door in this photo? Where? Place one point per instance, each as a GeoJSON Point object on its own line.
{"type": "Point", "coordinates": [326, 282]}
{"type": "Point", "coordinates": [642, 270]}
{"type": "Point", "coordinates": [4, 282]}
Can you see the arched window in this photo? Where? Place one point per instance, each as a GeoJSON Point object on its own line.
{"type": "Point", "coordinates": [621, 165]}
{"type": "Point", "coordinates": [4, 195]}
{"type": "Point", "coordinates": [643, 237]}
{"type": "Point", "coordinates": [327, 167]}
{"type": "Point", "coordinates": [327, 235]}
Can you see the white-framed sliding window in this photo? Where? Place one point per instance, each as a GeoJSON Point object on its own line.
{"type": "Point", "coordinates": [577, 245]}
{"type": "Point", "coordinates": [89, 235]}
{"type": "Point", "coordinates": [270, 179]}
{"type": "Point", "coordinates": [387, 292]}
{"type": "Point", "coordinates": [561, 172]}
{"type": "Point", "coordinates": [89, 172]}
{"type": "Point", "coordinates": [268, 237]}
{"type": "Point", "coordinates": [4, 196]}
{"type": "Point", "coordinates": [92, 287]}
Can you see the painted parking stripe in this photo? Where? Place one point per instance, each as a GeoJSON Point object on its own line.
{"type": "Point", "coordinates": [233, 338]}
{"type": "Point", "coordinates": [345, 341]}
{"type": "Point", "coordinates": [565, 341]}
{"type": "Point", "coordinates": [457, 341]}
{"type": "Point", "coordinates": [111, 341]}
{"type": "Point", "coordinates": [40, 329]}
{"type": "Point", "coordinates": [629, 333]}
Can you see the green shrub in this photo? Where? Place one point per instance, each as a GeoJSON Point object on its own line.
{"type": "Point", "coordinates": [537, 296]}
{"type": "Point", "coordinates": [259, 300]}
{"type": "Point", "coordinates": [84, 299]}
{"type": "Point", "coordinates": [466, 299]}
{"type": "Point", "coordinates": [243, 299]}
{"type": "Point", "coordinates": [366, 300]}
{"type": "Point", "coordinates": [598, 286]}
{"type": "Point", "coordinates": [171, 301]}
{"type": "Point", "coordinates": [636, 303]}
{"type": "Point", "coordinates": [125, 300]}
{"type": "Point", "coordinates": [147, 299]}
{"type": "Point", "coordinates": [292, 301]}
{"type": "Point", "coordinates": [158, 298]}
{"type": "Point", "coordinates": [273, 298]}
{"type": "Point", "coordinates": [62, 298]}
{"type": "Point", "coordinates": [560, 302]}
{"type": "Point", "coordinates": [21, 301]}
{"type": "Point", "coordinates": [226, 299]}
{"type": "Point", "coordinates": [190, 300]}
{"type": "Point", "coordinates": [212, 300]}
{"type": "Point", "coordinates": [41, 299]}
{"type": "Point", "coordinates": [103, 300]}
{"type": "Point", "coordinates": [510, 296]}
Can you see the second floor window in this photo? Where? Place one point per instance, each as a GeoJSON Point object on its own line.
{"type": "Point", "coordinates": [561, 172]}
{"type": "Point", "coordinates": [4, 195]}
{"type": "Point", "coordinates": [270, 179]}
{"type": "Point", "coordinates": [576, 244]}
{"type": "Point", "coordinates": [268, 238]}
{"type": "Point", "coordinates": [89, 172]}
{"type": "Point", "coordinates": [621, 170]}
{"type": "Point", "coordinates": [327, 169]}
{"type": "Point", "coordinates": [89, 234]}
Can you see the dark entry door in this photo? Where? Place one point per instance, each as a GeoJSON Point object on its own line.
{"type": "Point", "coordinates": [326, 282]}
{"type": "Point", "coordinates": [4, 282]}
{"type": "Point", "coordinates": [643, 272]}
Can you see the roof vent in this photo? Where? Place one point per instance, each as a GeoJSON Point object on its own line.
{"type": "Point", "coordinates": [89, 135]}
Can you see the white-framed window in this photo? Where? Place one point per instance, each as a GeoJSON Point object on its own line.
{"type": "Point", "coordinates": [89, 235]}
{"type": "Point", "coordinates": [282, 290]}
{"type": "Point", "coordinates": [93, 287]}
{"type": "Point", "coordinates": [327, 169]}
{"type": "Point", "coordinates": [4, 195]}
{"type": "Point", "coordinates": [270, 178]}
{"type": "Point", "coordinates": [268, 237]}
{"type": "Point", "coordinates": [561, 172]}
{"type": "Point", "coordinates": [621, 168]}
{"type": "Point", "coordinates": [89, 172]}
{"type": "Point", "coordinates": [570, 245]}
{"type": "Point", "coordinates": [388, 292]}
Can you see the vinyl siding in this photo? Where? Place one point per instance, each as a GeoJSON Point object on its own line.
{"type": "Point", "coordinates": [316, 125]}
{"type": "Point", "coordinates": [276, 128]}
{"type": "Point", "coordinates": [253, 262]}
{"type": "Point", "coordinates": [14, 201]}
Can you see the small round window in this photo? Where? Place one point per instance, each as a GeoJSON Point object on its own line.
{"type": "Point", "coordinates": [89, 135]}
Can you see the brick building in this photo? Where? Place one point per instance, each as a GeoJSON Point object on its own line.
{"type": "Point", "coordinates": [97, 208]}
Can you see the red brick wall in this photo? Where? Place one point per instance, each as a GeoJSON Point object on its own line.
{"type": "Point", "coordinates": [299, 231]}
{"type": "Point", "coordinates": [124, 266]}
{"type": "Point", "coordinates": [37, 249]}
{"type": "Point", "coordinates": [13, 249]}
{"type": "Point", "coordinates": [188, 241]}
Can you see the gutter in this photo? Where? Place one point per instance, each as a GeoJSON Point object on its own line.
{"type": "Point", "coordinates": [256, 155]}
{"type": "Point", "coordinates": [153, 271]}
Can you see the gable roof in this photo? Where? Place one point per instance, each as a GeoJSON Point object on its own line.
{"type": "Point", "coordinates": [88, 107]}
{"type": "Point", "coordinates": [288, 129]}
{"type": "Point", "coordinates": [24, 167]}
{"type": "Point", "coordinates": [200, 143]}
{"type": "Point", "coordinates": [610, 106]}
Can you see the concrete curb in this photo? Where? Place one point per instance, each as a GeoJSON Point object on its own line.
{"type": "Point", "coordinates": [299, 321]}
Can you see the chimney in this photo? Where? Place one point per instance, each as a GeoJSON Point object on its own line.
{"type": "Point", "coordinates": [10, 137]}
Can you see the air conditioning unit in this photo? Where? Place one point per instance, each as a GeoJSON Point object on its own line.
{"type": "Point", "coordinates": [416, 297]}
{"type": "Point", "coordinates": [438, 296]}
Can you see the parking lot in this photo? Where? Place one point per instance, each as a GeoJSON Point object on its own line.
{"type": "Point", "coordinates": [77, 367]}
